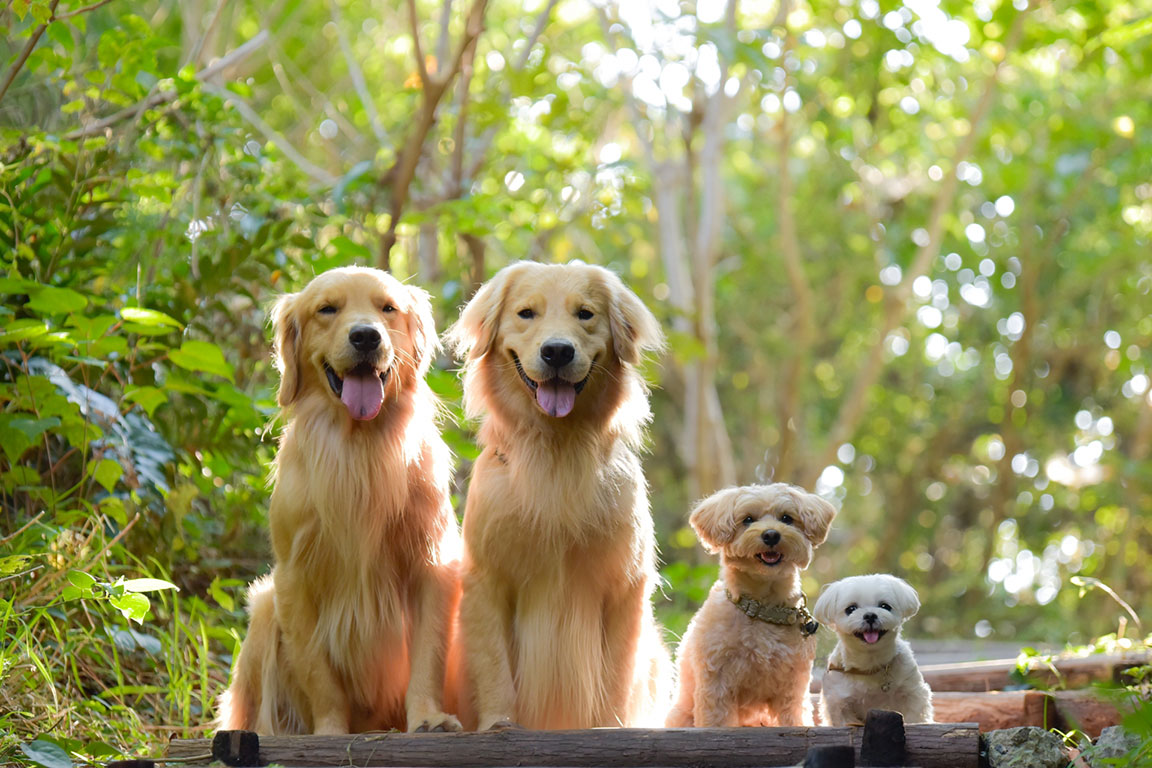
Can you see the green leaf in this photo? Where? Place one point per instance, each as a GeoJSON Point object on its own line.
{"type": "Point", "coordinates": [106, 472]}
{"type": "Point", "coordinates": [33, 428]}
{"type": "Point", "coordinates": [134, 606]}
{"type": "Point", "coordinates": [46, 753]}
{"type": "Point", "coordinates": [201, 356]}
{"type": "Point", "coordinates": [81, 580]}
{"type": "Point", "coordinates": [148, 585]}
{"type": "Point", "coordinates": [14, 563]}
{"type": "Point", "coordinates": [220, 596]}
{"type": "Point", "coordinates": [20, 330]}
{"type": "Point", "coordinates": [348, 249]}
{"type": "Point", "coordinates": [149, 317]}
{"type": "Point", "coordinates": [148, 398]}
{"type": "Point", "coordinates": [50, 300]}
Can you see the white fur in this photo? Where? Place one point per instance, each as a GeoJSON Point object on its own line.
{"type": "Point", "coordinates": [846, 697]}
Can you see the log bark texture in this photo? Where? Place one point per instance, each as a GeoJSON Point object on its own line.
{"type": "Point", "coordinates": [952, 745]}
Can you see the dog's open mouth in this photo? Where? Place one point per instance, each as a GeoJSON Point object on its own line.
{"type": "Point", "coordinates": [769, 558]}
{"type": "Point", "coordinates": [360, 389]}
{"type": "Point", "coordinates": [556, 396]}
{"type": "Point", "coordinates": [871, 636]}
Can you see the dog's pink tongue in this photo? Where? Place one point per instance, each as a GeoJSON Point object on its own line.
{"type": "Point", "coordinates": [363, 394]}
{"type": "Point", "coordinates": [871, 636]}
{"type": "Point", "coordinates": [556, 397]}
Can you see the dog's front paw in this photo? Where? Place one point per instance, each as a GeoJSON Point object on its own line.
{"type": "Point", "coordinates": [438, 722]}
{"type": "Point", "coordinates": [500, 723]}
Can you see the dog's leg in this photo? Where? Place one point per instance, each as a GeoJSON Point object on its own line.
{"type": "Point", "coordinates": [623, 616]}
{"type": "Point", "coordinates": [714, 705]}
{"type": "Point", "coordinates": [306, 658]}
{"type": "Point", "coordinates": [681, 714]}
{"type": "Point", "coordinates": [486, 631]}
{"type": "Point", "coordinates": [794, 705]}
{"type": "Point", "coordinates": [435, 602]}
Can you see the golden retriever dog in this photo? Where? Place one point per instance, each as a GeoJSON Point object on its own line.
{"type": "Point", "coordinates": [746, 658]}
{"type": "Point", "coordinates": [559, 554]}
{"type": "Point", "coordinates": [349, 632]}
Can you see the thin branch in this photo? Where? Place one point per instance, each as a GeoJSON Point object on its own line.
{"type": "Point", "coordinates": [852, 407]}
{"type": "Point", "coordinates": [316, 172]}
{"type": "Point", "coordinates": [530, 43]}
{"type": "Point", "coordinates": [28, 47]}
{"type": "Point", "coordinates": [400, 176]}
{"type": "Point", "coordinates": [79, 11]}
{"type": "Point", "coordinates": [421, 65]}
{"type": "Point", "coordinates": [445, 42]}
{"type": "Point", "coordinates": [220, 65]}
{"type": "Point", "coordinates": [358, 78]}
{"type": "Point", "coordinates": [198, 48]}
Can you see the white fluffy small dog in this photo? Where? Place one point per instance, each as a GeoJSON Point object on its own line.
{"type": "Point", "coordinates": [871, 666]}
{"type": "Point", "coordinates": [746, 658]}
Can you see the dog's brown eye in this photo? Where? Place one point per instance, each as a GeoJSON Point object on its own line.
{"type": "Point", "coordinates": [527, 314]}
{"type": "Point", "coordinates": [328, 309]}
{"type": "Point", "coordinates": [885, 606]}
{"type": "Point", "coordinates": [850, 610]}
{"type": "Point", "coordinates": [786, 519]}
{"type": "Point", "coordinates": [749, 520]}
{"type": "Point", "coordinates": [585, 314]}
{"type": "Point", "coordinates": [387, 308]}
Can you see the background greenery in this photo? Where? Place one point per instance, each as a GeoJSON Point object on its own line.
{"type": "Point", "coordinates": [902, 252]}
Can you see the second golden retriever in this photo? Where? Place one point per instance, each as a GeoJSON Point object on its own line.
{"type": "Point", "coordinates": [349, 633]}
{"type": "Point", "coordinates": [559, 561]}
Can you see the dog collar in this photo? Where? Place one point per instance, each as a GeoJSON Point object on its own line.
{"type": "Point", "coordinates": [866, 673]}
{"type": "Point", "coordinates": [785, 615]}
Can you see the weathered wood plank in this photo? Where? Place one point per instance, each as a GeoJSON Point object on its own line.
{"type": "Point", "coordinates": [996, 709]}
{"type": "Point", "coordinates": [996, 675]}
{"type": "Point", "coordinates": [950, 745]}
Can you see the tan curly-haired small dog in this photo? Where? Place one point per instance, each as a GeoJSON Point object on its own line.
{"type": "Point", "coordinates": [746, 658]}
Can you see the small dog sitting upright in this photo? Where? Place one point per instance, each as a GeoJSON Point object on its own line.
{"type": "Point", "coordinates": [871, 666]}
{"type": "Point", "coordinates": [746, 658]}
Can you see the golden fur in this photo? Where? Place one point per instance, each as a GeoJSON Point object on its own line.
{"type": "Point", "coordinates": [736, 670]}
{"type": "Point", "coordinates": [349, 632]}
{"type": "Point", "coordinates": [560, 562]}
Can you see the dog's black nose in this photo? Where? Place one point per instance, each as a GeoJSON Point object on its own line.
{"type": "Point", "coordinates": [771, 538]}
{"type": "Point", "coordinates": [870, 618]}
{"type": "Point", "coordinates": [557, 353]}
{"type": "Point", "coordinates": [364, 338]}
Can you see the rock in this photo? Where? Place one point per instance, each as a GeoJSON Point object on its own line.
{"type": "Point", "coordinates": [1113, 742]}
{"type": "Point", "coordinates": [1026, 747]}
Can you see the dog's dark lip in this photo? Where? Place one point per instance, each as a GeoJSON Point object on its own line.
{"type": "Point", "coordinates": [534, 385]}
{"type": "Point", "coordinates": [860, 635]}
{"type": "Point", "coordinates": [770, 558]}
{"type": "Point", "coordinates": [336, 381]}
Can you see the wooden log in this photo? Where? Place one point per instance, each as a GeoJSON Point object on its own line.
{"type": "Point", "coordinates": [236, 748]}
{"type": "Point", "coordinates": [1078, 672]}
{"type": "Point", "coordinates": [884, 741]}
{"type": "Point", "coordinates": [830, 757]}
{"type": "Point", "coordinates": [947, 745]}
{"type": "Point", "coordinates": [1086, 711]}
{"type": "Point", "coordinates": [996, 709]}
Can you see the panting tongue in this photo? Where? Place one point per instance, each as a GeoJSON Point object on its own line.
{"type": "Point", "coordinates": [556, 397]}
{"type": "Point", "coordinates": [363, 394]}
{"type": "Point", "coordinates": [871, 636]}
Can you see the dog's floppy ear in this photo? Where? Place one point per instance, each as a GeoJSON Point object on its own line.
{"type": "Point", "coordinates": [474, 333]}
{"type": "Point", "coordinates": [907, 601]}
{"type": "Point", "coordinates": [827, 608]}
{"type": "Point", "coordinates": [422, 328]}
{"type": "Point", "coordinates": [714, 521]}
{"type": "Point", "coordinates": [286, 346]}
{"type": "Point", "coordinates": [634, 327]}
{"type": "Point", "coordinates": [816, 513]}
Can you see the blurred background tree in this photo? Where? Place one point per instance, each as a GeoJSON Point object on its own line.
{"type": "Point", "coordinates": [901, 252]}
